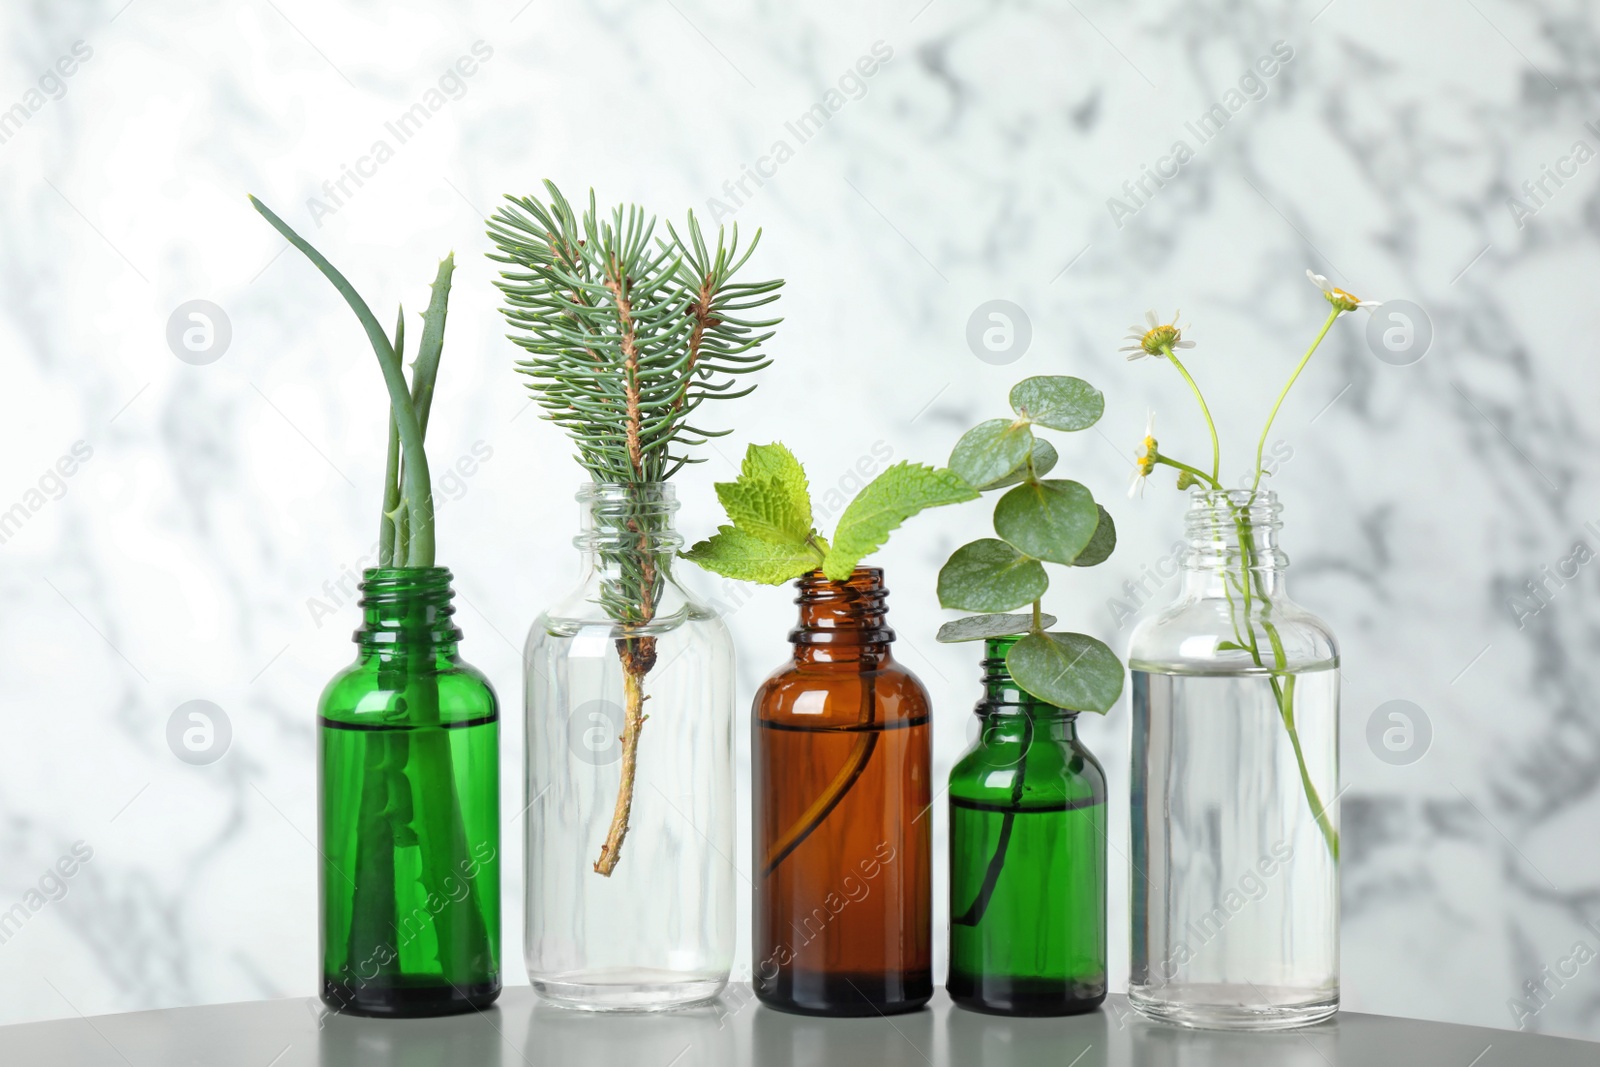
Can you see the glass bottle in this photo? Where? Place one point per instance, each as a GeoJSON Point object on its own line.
{"type": "Point", "coordinates": [657, 931]}
{"type": "Point", "coordinates": [841, 758]}
{"type": "Point", "coordinates": [409, 799]}
{"type": "Point", "coordinates": [1027, 858]}
{"type": "Point", "coordinates": [1235, 860]}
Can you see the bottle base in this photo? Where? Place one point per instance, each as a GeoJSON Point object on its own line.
{"type": "Point", "coordinates": [846, 995]}
{"type": "Point", "coordinates": [633, 989]}
{"type": "Point", "coordinates": [1028, 997]}
{"type": "Point", "coordinates": [1233, 1007]}
{"type": "Point", "coordinates": [402, 999]}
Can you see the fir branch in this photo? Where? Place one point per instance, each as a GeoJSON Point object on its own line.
{"type": "Point", "coordinates": [627, 334]}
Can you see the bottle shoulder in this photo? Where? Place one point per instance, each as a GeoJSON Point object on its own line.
{"type": "Point", "coordinates": [586, 620]}
{"type": "Point", "coordinates": [405, 691]}
{"type": "Point", "coordinates": [1214, 635]}
{"type": "Point", "coordinates": [838, 693]}
{"type": "Point", "coordinates": [1043, 772]}
{"type": "Point", "coordinates": [585, 606]}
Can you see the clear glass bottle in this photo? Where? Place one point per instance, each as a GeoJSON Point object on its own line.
{"type": "Point", "coordinates": [629, 687]}
{"type": "Point", "coordinates": [1235, 859]}
{"type": "Point", "coordinates": [409, 819]}
{"type": "Point", "coordinates": [841, 758]}
{"type": "Point", "coordinates": [1027, 858]}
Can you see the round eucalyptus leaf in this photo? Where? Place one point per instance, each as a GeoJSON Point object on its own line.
{"type": "Point", "coordinates": [1051, 520]}
{"type": "Point", "coordinates": [990, 575]}
{"type": "Point", "coordinates": [983, 627]}
{"type": "Point", "coordinates": [1071, 671]}
{"type": "Point", "coordinates": [1100, 545]}
{"type": "Point", "coordinates": [990, 451]}
{"type": "Point", "coordinates": [1044, 460]}
{"type": "Point", "coordinates": [1058, 401]}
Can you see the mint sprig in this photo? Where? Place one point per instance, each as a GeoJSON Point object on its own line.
{"type": "Point", "coordinates": [772, 538]}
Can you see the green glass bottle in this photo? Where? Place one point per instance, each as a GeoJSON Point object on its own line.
{"type": "Point", "coordinates": [1027, 858]}
{"type": "Point", "coordinates": [409, 755]}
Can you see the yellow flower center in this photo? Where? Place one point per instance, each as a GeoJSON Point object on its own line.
{"type": "Point", "coordinates": [1161, 337]}
{"type": "Point", "coordinates": [1342, 300]}
{"type": "Point", "coordinates": [1147, 457]}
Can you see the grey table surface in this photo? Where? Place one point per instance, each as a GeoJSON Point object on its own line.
{"type": "Point", "coordinates": [522, 1030]}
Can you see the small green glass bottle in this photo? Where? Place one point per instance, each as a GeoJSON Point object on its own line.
{"type": "Point", "coordinates": [1027, 858]}
{"type": "Point", "coordinates": [409, 755]}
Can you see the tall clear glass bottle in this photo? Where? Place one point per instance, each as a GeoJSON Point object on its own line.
{"type": "Point", "coordinates": [1235, 859]}
{"type": "Point", "coordinates": [650, 803]}
{"type": "Point", "coordinates": [409, 811]}
{"type": "Point", "coordinates": [1027, 858]}
{"type": "Point", "coordinates": [841, 757]}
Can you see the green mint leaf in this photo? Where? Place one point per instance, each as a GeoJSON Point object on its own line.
{"type": "Point", "coordinates": [888, 500]}
{"type": "Point", "coordinates": [991, 450]}
{"type": "Point", "coordinates": [990, 575]}
{"type": "Point", "coordinates": [1044, 460]}
{"type": "Point", "coordinates": [1058, 402]}
{"type": "Point", "coordinates": [1052, 520]}
{"type": "Point", "coordinates": [734, 553]}
{"type": "Point", "coordinates": [770, 500]}
{"type": "Point", "coordinates": [982, 627]}
{"type": "Point", "coordinates": [1071, 671]}
{"type": "Point", "coordinates": [1100, 546]}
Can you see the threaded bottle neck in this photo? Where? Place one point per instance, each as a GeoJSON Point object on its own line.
{"type": "Point", "coordinates": [633, 518]}
{"type": "Point", "coordinates": [410, 606]}
{"type": "Point", "coordinates": [842, 620]}
{"type": "Point", "coordinates": [1229, 527]}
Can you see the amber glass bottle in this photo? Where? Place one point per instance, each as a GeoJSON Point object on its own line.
{"type": "Point", "coordinates": [841, 755]}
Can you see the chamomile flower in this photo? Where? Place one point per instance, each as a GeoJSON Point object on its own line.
{"type": "Point", "coordinates": [1155, 336]}
{"type": "Point", "coordinates": [1144, 457]}
{"type": "Point", "coordinates": [1336, 296]}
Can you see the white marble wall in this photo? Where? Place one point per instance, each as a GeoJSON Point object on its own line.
{"type": "Point", "coordinates": [182, 555]}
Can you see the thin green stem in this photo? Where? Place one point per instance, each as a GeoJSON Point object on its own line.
{"type": "Point", "coordinates": [1261, 446]}
{"type": "Point", "coordinates": [1216, 449]}
{"type": "Point", "coordinates": [1200, 474]}
{"type": "Point", "coordinates": [1283, 683]}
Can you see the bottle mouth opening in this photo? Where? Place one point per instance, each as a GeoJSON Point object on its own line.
{"type": "Point", "coordinates": [392, 585]}
{"type": "Point", "coordinates": [645, 496]}
{"type": "Point", "coordinates": [814, 586]}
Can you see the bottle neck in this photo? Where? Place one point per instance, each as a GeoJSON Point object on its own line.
{"type": "Point", "coordinates": [1008, 712]}
{"type": "Point", "coordinates": [842, 622]}
{"type": "Point", "coordinates": [625, 526]}
{"type": "Point", "coordinates": [1233, 542]}
{"type": "Point", "coordinates": [629, 541]}
{"type": "Point", "coordinates": [408, 609]}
